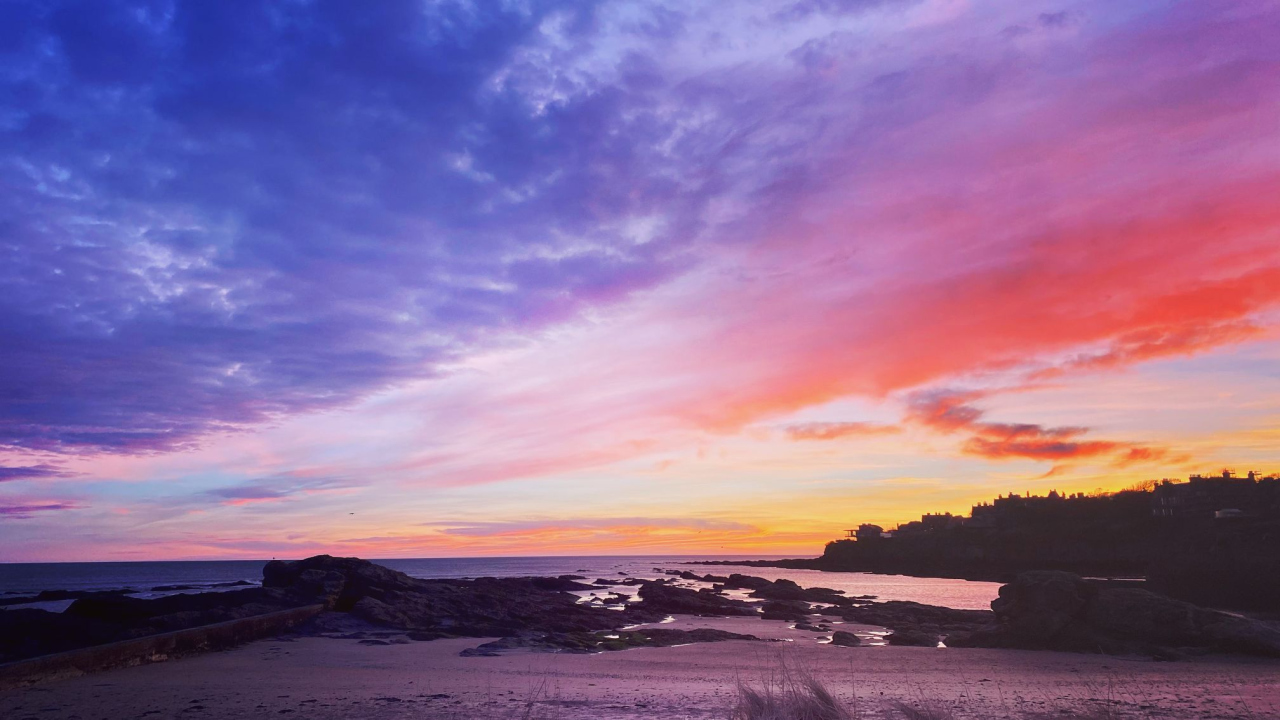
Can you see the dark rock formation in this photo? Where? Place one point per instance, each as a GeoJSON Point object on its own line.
{"type": "Point", "coordinates": [915, 621]}
{"type": "Point", "coordinates": [845, 639]}
{"type": "Point", "coordinates": [913, 638]}
{"type": "Point", "coordinates": [746, 582]}
{"type": "Point", "coordinates": [601, 642]}
{"type": "Point", "coordinates": [175, 588]}
{"type": "Point", "coordinates": [787, 590]}
{"type": "Point", "coordinates": [1061, 611]}
{"type": "Point", "coordinates": [27, 633]}
{"type": "Point", "coordinates": [564, 583]}
{"type": "Point", "coordinates": [785, 610]}
{"type": "Point", "coordinates": [56, 595]}
{"type": "Point", "coordinates": [668, 599]}
{"type": "Point", "coordinates": [470, 608]}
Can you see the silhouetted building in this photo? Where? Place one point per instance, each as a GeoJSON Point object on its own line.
{"type": "Point", "coordinates": [1204, 497]}
{"type": "Point", "coordinates": [867, 531]}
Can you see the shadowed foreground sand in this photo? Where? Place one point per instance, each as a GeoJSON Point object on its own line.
{"type": "Point", "coordinates": [312, 677]}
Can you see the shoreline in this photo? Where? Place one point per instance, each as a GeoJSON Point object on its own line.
{"type": "Point", "coordinates": [1002, 576]}
{"type": "Point", "coordinates": [295, 676]}
{"type": "Point", "coordinates": [497, 619]}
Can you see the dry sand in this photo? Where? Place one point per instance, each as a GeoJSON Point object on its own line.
{"type": "Point", "coordinates": [312, 677]}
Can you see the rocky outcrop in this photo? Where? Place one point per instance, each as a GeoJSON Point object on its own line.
{"type": "Point", "coordinates": [59, 595]}
{"type": "Point", "coordinates": [601, 642]}
{"type": "Point", "coordinates": [913, 638]}
{"type": "Point", "coordinates": [917, 624]}
{"type": "Point", "coordinates": [468, 608]}
{"type": "Point", "coordinates": [746, 582]}
{"type": "Point", "coordinates": [790, 610]}
{"type": "Point", "coordinates": [665, 598]}
{"type": "Point", "coordinates": [1061, 611]}
{"type": "Point", "coordinates": [787, 590]}
{"type": "Point", "coordinates": [842, 638]}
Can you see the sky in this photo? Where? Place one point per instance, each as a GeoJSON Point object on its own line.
{"type": "Point", "coordinates": [513, 277]}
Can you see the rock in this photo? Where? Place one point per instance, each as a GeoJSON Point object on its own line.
{"type": "Point", "coordinates": [56, 595]}
{"type": "Point", "coordinates": [380, 613]}
{"type": "Point", "coordinates": [785, 610]}
{"type": "Point", "coordinates": [29, 632]}
{"type": "Point", "coordinates": [914, 618]}
{"type": "Point", "coordinates": [560, 584]}
{"type": "Point", "coordinates": [365, 601]}
{"type": "Point", "coordinates": [746, 582]}
{"type": "Point", "coordinates": [1061, 611]}
{"type": "Point", "coordinates": [844, 638]}
{"type": "Point", "coordinates": [579, 643]}
{"type": "Point", "coordinates": [1037, 606]}
{"type": "Point", "coordinates": [787, 590]}
{"type": "Point", "coordinates": [669, 599]}
{"type": "Point", "coordinates": [913, 638]}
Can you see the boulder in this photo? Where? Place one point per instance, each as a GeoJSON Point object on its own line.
{"type": "Point", "coordinates": [746, 582]}
{"type": "Point", "coordinates": [843, 638]}
{"type": "Point", "coordinates": [785, 610]}
{"type": "Point", "coordinates": [1037, 606]}
{"type": "Point", "coordinates": [912, 638]}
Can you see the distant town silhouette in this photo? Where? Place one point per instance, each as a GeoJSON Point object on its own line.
{"type": "Point", "coordinates": [1209, 540]}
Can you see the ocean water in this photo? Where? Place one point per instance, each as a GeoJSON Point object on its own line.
{"type": "Point", "coordinates": [142, 579]}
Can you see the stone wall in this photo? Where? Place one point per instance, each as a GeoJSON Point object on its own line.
{"type": "Point", "coordinates": [153, 648]}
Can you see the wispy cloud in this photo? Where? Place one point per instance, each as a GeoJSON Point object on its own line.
{"type": "Point", "coordinates": [572, 526]}
{"type": "Point", "coordinates": [837, 430]}
{"type": "Point", "coordinates": [278, 488]}
{"type": "Point", "coordinates": [24, 512]}
{"type": "Point", "coordinates": [33, 472]}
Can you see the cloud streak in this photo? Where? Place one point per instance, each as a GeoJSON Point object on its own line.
{"type": "Point", "coordinates": [838, 430]}
{"type": "Point", "coordinates": [26, 512]}
{"type": "Point", "coordinates": [951, 412]}
{"type": "Point", "coordinates": [33, 472]}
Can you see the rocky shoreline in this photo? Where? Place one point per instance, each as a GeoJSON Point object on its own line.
{"type": "Point", "coordinates": [376, 605]}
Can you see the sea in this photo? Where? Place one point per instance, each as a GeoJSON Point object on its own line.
{"type": "Point", "coordinates": [20, 581]}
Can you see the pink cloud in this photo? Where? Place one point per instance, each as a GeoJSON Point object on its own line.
{"type": "Point", "coordinates": [837, 430]}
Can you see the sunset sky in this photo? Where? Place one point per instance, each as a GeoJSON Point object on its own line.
{"type": "Point", "coordinates": [409, 279]}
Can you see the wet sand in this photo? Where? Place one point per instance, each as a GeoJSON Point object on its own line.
{"type": "Point", "coordinates": [312, 677]}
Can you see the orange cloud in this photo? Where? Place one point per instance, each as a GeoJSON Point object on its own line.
{"type": "Point", "coordinates": [950, 412]}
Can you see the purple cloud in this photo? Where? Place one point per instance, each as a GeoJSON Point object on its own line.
{"type": "Point", "coordinates": [32, 472]}
{"type": "Point", "coordinates": [278, 487]}
{"type": "Point", "coordinates": [216, 214]}
{"type": "Point", "coordinates": [25, 512]}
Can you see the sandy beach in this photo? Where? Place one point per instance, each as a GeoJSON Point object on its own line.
{"type": "Point", "coordinates": [314, 677]}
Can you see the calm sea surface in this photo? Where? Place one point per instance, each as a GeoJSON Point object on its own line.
{"type": "Point", "coordinates": [142, 578]}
